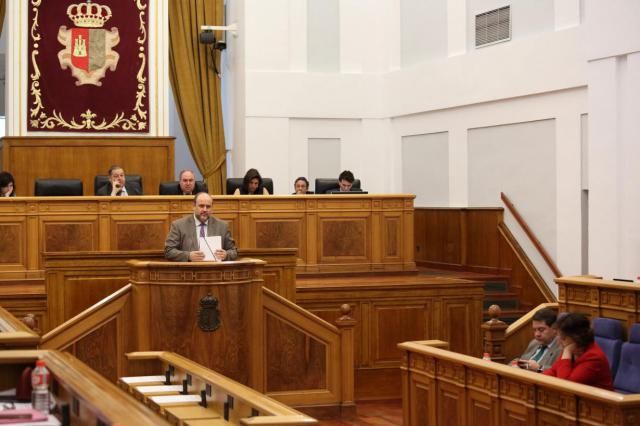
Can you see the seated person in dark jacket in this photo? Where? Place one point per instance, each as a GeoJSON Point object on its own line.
{"type": "Point", "coordinates": [118, 186]}
{"type": "Point", "coordinates": [345, 182]}
{"type": "Point", "coordinates": [301, 186]}
{"type": "Point", "coordinates": [186, 184]}
{"type": "Point", "coordinates": [582, 360]}
{"type": "Point", "coordinates": [251, 184]}
{"type": "Point", "coordinates": [7, 185]}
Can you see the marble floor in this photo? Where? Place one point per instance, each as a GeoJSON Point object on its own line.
{"type": "Point", "coordinates": [384, 413]}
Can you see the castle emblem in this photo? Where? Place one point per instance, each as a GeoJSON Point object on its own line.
{"type": "Point", "coordinates": [88, 46]}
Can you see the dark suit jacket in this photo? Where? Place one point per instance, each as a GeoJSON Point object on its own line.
{"type": "Point", "coordinates": [132, 189]}
{"type": "Point", "coordinates": [183, 238]}
{"type": "Point", "coordinates": [175, 190]}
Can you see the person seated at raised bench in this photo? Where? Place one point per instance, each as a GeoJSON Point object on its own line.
{"type": "Point", "coordinates": [118, 185]}
{"type": "Point", "coordinates": [582, 360]}
{"type": "Point", "coordinates": [301, 186]}
{"type": "Point", "coordinates": [544, 348]}
{"type": "Point", "coordinates": [186, 185]}
{"type": "Point", "coordinates": [251, 184]}
{"type": "Point", "coordinates": [7, 185]}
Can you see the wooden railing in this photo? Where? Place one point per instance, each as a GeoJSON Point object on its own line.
{"type": "Point", "coordinates": [527, 230]}
{"type": "Point", "coordinates": [304, 361]}
{"type": "Point", "coordinates": [14, 334]}
{"type": "Point", "coordinates": [321, 351]}
{"type": "Point", "coordinates": [447, 388]}
{"type": "Point", "coordinates": [249, 407]}
{"type": "Point", "coordinates": [86, 397]}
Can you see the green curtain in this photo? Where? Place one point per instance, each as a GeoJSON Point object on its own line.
{"type": "Point", "coordinates": [196, 88]}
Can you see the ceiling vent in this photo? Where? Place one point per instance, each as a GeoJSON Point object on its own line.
{"type": "Point", "coordinates": [493, 26]}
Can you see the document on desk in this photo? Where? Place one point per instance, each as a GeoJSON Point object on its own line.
{"type": "Point", "coordinates": [209, 245]}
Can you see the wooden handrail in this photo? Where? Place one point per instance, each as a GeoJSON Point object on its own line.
{"type": "Point", "coordinates": [512, 208]}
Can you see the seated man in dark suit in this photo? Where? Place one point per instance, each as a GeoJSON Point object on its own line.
{"type": "Point", "coordinates": [118, 186]}
{"type": "Point", "coordinates": [345, 182]}
{"type": "Point", "coordinates": [186, 184]}
{"type": "Point", "coordinates": [182, 243]}
{"type": "Point", "coordinates": [545, 347]}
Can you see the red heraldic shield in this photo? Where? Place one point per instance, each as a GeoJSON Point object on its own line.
{"type": "Point", "coordinates": [88, 48]}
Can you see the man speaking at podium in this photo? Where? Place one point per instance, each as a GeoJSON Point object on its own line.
{"type": "Point", "coordinates": [188, 239]}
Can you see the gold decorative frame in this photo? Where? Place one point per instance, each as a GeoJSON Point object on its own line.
{"type": "Point", "coordinates": [40, 119]}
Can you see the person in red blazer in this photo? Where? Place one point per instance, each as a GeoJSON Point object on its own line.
{"type": "Point", "coordinates": [582, 360]}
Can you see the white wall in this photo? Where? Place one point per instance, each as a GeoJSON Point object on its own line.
{"type": "Point", "coordinates": [392, 84]}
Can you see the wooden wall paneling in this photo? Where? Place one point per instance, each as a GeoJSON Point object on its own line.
{"type": "Point", "coordinates": [30, 158]}
{"type": "Point", "coordinates": [344, 238]}
{"type": "Point", "coordinates": [598, 297]}
{"type": "Point", "coordinates": [126, 232]}
{"type": "Point", "coordinates": [393, 322]}
{"type": "Point", "coordinates": [313, 235]}
{"type": "Point", "coordinates": [13, 247]}
{"type": "Point", "coordinates": [442, 240]}
{"type": "Point", "coordinates": [295, 361]}
{"type": "Point", "coordinates": [422, 394]}
{"type": "Point", "coordinates": [77, 280]}
{"type": "Point", "coordinates": [459, 316]}
{"type": "Point", "coordinates": [286, 231]}
{"type": "Point", "coordinates": [69, 233]}
{"type": "Point", "coordinates": [483, 249]}
{"type": "Point", "coordinates": [392, 237]}
{"type": "Point", "coordinates": [100, 350]}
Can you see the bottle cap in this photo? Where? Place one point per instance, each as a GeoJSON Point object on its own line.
{"type": "Point", "coordinates": [40, 363]}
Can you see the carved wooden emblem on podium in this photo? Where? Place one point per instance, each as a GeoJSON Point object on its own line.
{"type": "Point", "coordinates": [209, 315]}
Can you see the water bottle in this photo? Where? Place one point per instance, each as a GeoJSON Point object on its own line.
{"type": "Point", "coordinates": [40, 379]}
{"type": "Point", "coordinates": [486, 356]}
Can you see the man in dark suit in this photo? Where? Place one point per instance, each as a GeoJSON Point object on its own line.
{"type": "Point", "coordinates": [345, 183]}
{"type": "Point", "coordinates": [186, 184]}
{"type": "Point", "coordinates": [118, 186]}
{"type": "Point", "coordinates": [545, 348]}
{"type": "Point", "coordinates": [182, 243]}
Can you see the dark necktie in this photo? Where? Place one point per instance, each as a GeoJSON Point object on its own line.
{"type": "Point", "coordinates": [536, 357]}
{"type": "Point", "coordinates": [202, 231]}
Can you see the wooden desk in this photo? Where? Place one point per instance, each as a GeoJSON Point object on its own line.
{"type": "Point", "coordinates": [600, 298]}
{"type": "Point", "coordinates": [356, 233]}
{"type": "Point", "coordinates": [243, 404]}
{"type": "Point", "coordinates": [446, 388]}
{"type": "Point", "coordinates": [90, 398]}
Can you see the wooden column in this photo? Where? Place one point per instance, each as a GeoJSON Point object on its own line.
{"type": "Point", "coordinates": [346, 324]}
{"type": "Point", "coordinates": [493, 332]}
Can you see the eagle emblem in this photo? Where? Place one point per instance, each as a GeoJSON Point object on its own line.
{"type": "Point", "coordinates": [88, 46]}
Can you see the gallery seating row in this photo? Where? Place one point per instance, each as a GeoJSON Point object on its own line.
{"type": "Point", "coordinates": [74, 187]}
{"type": "Point", "coordinates": [623, 356]}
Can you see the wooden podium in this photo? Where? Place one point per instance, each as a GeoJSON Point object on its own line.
{"type": "Point", "coordinates": [209, 312]}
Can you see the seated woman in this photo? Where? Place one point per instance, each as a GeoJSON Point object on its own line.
{"type": "Point", "coordinates": [582, 360]}
{"type": "Point", "coordinates": [301, 186]}
{"type": "Point", "coordinates": [7, 185]}
{"type": "Point", "coordinates": [251, 184]}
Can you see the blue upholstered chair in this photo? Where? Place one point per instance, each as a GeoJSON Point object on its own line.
{"type": "Point", "coordinates": [608, 335]}
{"type": "Point", "coordinates": [627, 378]}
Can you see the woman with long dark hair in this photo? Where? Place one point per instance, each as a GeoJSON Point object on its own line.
{"type": "Point", "coordinates": [7, 185]}
{"type": "Point", "coordinates": [251, 184]}
{"type": "Point", "coordinates": [582, 360]}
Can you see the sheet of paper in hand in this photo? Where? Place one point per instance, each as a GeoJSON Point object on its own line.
{"type": "Point", "coordinates": [209, 245]}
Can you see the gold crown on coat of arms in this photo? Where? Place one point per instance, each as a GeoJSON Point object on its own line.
{"type": "Point", "coordinates": [89, 15]}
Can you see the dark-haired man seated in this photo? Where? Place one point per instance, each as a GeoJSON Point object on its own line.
{"type": "Point", "coordinates": [118, 185]}
{"type": "Point", "coordinates": [345, 182]}
{"type": "Point", "coordinates": [545, 348]}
